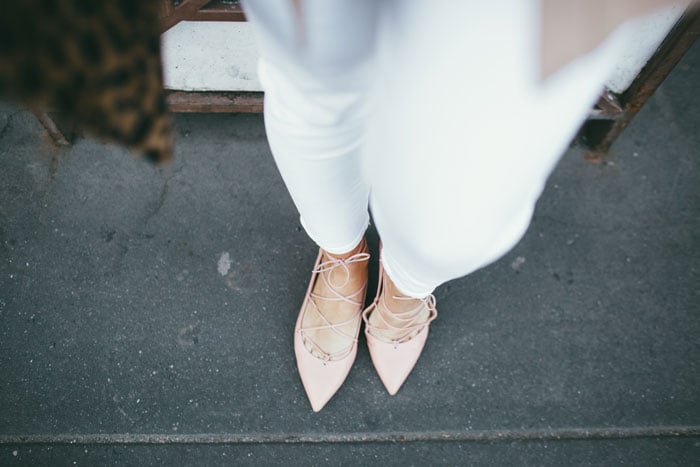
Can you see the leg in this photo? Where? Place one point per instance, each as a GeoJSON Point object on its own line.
{"type": "Point", "coordinates": [459, 151]}
{"type": "Point", "coordinates": [314, 69]}
{"type": "Point", "coordinates": [468, 142]}
{"type": "Point", "coordinates": [315, 72]}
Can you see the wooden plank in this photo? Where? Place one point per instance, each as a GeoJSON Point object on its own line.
{"type": "Point", "coordinates": [219, 10]}
{"type": "Point", "coordinates": [183, 12]}
{"type": "Point", "coordinates": [165, 8]}
{"type": "Point", "coordinates": [215, 101]}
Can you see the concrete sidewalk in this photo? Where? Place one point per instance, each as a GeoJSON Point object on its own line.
{"type": "Point", "coordinates": [146, 315]}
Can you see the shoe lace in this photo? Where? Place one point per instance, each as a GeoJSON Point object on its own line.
{"type": "Point", "coordinates": [409, 319]}
{"type": "Point", "coordinates": [324, 270]}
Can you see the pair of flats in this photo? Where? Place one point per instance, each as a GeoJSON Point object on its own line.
{"type": "Point", "coordinates": [323, 372]}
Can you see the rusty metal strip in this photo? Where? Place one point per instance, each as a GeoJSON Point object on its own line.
{"type": "Point", "coordinates": [681, 37]}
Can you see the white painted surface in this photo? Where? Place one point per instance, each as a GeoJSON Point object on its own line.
{"type": "Point", "coordinates": [645, 36]}
{"type": "Point", "coordinates": [210, 56]}
{"type": "Point", "coordinates": [222, 56]}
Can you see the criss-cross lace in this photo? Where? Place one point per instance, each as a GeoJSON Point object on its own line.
{"type": "Point", "coordinates": [324, 271]}
{"type": "Point", "coordinates": [408, 318]}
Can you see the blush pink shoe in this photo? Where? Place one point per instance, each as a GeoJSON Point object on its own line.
{"type": "Point", "coordinates": [322, 377]}
{"type": "Point", "coordinates": [395, 358]}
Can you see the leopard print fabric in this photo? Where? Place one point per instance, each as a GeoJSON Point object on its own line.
{"type": "Point", "coordinates": [97, 60]}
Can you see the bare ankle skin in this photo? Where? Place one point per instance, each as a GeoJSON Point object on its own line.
{"type": "Point", "coordinates": [348, 280]}
{"type": "Point", "coordinates": [391, 302]}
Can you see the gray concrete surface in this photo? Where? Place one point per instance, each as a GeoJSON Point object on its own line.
{"type": "Point", "coordinates": [122, 342]}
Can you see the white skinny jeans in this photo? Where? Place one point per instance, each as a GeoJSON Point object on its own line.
{"type": "Point", "coordinates": [432, 113]}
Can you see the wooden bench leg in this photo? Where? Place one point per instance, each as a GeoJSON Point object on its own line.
{"type": "Point", "coordinates": [51, 127]}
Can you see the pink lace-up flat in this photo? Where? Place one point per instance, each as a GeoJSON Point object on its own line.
{"type": "Point", "coordinates": [395, 358]}
{"type": "Point", "coordinates": [322, 377]}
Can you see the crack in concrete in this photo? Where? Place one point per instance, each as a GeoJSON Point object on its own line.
{"type": "Point", "coordinates": [53, 166]}
{"type": "Point", "coordinates": [7, 124]}
{"type": "Point", "coordinates": [493, 435]}
{"type": "Point", "coordinates": [161, 201]}
{"type": "Point", "coordinates": [163, 194]}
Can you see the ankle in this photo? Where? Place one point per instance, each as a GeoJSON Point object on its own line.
{"type": "Point", "coordinates": [359, 248]}
{"type": "Point", "coordinates": [395, 299]}
{"type": "Point", "coordinates": [397, 316]}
